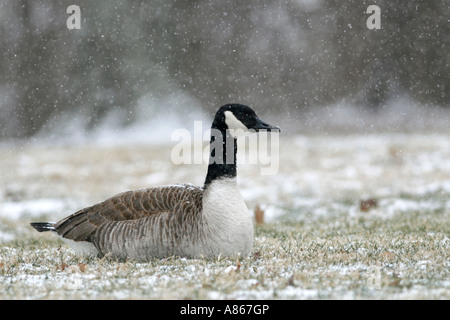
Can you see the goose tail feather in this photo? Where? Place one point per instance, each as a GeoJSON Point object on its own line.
{"type": "Point", "coordinates": [43, 226]}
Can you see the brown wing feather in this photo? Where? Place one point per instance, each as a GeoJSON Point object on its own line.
{"type": "Point", "coordinates": [129, 205]}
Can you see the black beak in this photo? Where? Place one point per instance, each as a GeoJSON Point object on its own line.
{"type": "Point", "coordinates": [262, 125]}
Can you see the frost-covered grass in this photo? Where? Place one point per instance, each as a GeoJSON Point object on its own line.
{"type": "Point", "coordinates": [315, 243]}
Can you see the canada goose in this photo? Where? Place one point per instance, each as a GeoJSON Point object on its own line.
{"type": "Point", "coordinates": [179, 220]}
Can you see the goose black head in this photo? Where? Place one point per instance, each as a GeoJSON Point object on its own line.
{"type": "Point", "coordinates": [239, 117]}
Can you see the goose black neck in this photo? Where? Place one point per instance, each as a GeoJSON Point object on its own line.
{"type": "Point", "coordinates": [222, 158]}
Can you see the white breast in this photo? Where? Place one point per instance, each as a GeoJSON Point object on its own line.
{"type": "Point", "coordinates": [227, 219]}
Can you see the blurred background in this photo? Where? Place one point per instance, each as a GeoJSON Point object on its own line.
{"type": "Point", "coordinates": [312, 64]}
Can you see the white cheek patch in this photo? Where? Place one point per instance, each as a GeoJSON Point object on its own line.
{"type": "Point", "coordinates": [236, 127]}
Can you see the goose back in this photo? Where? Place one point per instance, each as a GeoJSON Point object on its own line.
{"type": "Point", "coordinates": [140, 224]}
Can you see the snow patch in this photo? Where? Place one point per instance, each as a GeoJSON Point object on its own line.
{"type": "Point", "coordinates": [33, 208]}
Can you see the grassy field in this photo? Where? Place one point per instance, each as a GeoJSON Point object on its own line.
{"type": "Point", "coordinates": [317, 240]}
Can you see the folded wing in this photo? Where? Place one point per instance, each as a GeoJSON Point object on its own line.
{"type": "Point", "coordinates": [127, 206]}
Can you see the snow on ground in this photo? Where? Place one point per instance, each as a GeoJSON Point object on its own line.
{"type": "Point", "coordinates": [313, 170]}
{"type": "Point", "coordinates": [319, 177]}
